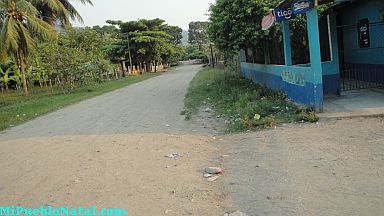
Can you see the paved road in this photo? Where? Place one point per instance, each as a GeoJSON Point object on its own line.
{"type": "Point", "coordinates": [145, 107]}
{"type": "Point", "coordinates": [110, 151]}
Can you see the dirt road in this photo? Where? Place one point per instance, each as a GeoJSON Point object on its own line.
{"type": "Point", "coordinates": [109, 151]}
{"type": "Point", "coordinates": [332, 168]}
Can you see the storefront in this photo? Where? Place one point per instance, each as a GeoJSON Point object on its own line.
{"type": "Point", "coordinates": [353, 32]}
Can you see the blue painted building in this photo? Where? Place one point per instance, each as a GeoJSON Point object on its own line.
{"type": "Point", "coordinates": [352, 40]}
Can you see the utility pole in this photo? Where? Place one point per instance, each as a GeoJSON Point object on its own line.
{"type": "Point", "coordinates": [129, 55]}
{"type": "Point", "coordinates": [213, 60]}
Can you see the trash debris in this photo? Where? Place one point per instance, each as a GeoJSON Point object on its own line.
{"type": "Point", "coordinates": [208, 110]}
{"type": "Point", "coordinates": [207, 175]}
{"type": "Point", "coordinates": [213, 170]}
{"type": "Point", "coordinates": [173, 155]}
{"type": "Point", "coordinates": [238, 213]}
{"type": "Point", "coordinates": [257, 117]}
{"type": "Point", "coordinates": [213, 178]}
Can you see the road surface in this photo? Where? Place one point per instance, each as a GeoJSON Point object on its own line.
{"type": "Point", "coordinates": [109, 151]}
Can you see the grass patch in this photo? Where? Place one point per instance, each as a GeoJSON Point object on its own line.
{"type": "Point", "coordinates": [16, 108]}
{"type": "Point", "coordinates": [244, 104]}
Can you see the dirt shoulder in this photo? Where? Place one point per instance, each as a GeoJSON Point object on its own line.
{"type": "Point", "coordinates": [125, 171]}
{"type": "Point", "coordinates": [331, 168]}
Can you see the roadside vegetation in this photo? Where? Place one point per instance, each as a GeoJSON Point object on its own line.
{"type": "Point", "coordinates": [16, 108]}
{"type": "Point", "coordinates": [242, 103]}
{"type": "Point", "coordinates": [45, 63]}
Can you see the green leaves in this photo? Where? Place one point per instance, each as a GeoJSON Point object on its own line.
{"type": "Point", "coordinates": [235, 24]}
{"type": "Point", "coordinates": [197, 33]}
{"type": "Point", "coordinates": [149, 40]}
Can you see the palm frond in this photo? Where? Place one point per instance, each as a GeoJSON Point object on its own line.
{"type": "Point", "coordinates": [41, 29]}
{"type": "Point", "coordinates": [26, 40]}
{"type": "Point", "coordinates": [85, 2]}
{"type": "Point", "coordinates": [9, 37]}
{"type": "Point", "coordinates": [73, 13]}
{"type": "Point", "coordinates": [27, 7]}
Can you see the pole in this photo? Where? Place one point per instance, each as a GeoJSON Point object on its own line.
{"type": "Point", "coordinates": [213, 60]}
{"type": "Point", "coordinates": [129, 55]}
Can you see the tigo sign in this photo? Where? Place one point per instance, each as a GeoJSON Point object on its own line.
{"type": "Point", "coordinates": [302, 6]}
{"type": "Point", "coordinates": [283, 14]}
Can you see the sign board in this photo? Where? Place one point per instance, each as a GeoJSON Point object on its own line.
{"type": "Point", "coordinates": [363, 30]}
{"type": "Point", "coordinates": [293, 78]}
{"type": "Point", "coordinates": [302, 6]}
{"type": "Point", "coordinates": [283, 14]}
{"type": "Point", "coordinates": [267, 21]}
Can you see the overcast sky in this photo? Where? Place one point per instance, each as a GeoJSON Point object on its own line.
{"type": "Point", "coordinates": [174, 12]}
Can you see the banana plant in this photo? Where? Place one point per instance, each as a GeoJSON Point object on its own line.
{"type": "Point", "coordinates": [5, 78]}
{"type": "Point", "coordinates": [1, 79]}
{"type": "Point", "coordinates": [17, 76]}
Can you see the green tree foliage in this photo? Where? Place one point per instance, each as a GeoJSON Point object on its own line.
{"type": "Point", "coordinates": [193, 52]}
{"type": "Point", "coordinates": [62, 11]}
{"type": "Point", "coordinates": [197, 33]}
{"type": "Point", "coordinates": [76, 59]}
{"type": "Point", "coordinates": [148, 40]}
{"type": "Point", "coordinates": [235, 24]}
{"type": "Point", "coordinates": [20, 22]}
{"type": "Point", "coordinates": [176, 33]}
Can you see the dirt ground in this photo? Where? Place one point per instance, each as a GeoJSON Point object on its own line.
{"type": "Point", "coordinates": [110, 151]}
{"type": "Point", "coordinates": [335, 167]}
{"type": "Point", "coordinates": [124, 171]}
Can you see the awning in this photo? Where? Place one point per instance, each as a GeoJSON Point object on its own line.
{"type": "Point", "coordinates": [286, 3]}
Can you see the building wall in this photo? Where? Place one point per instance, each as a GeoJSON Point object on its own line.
{"type": "Point", "coordinates": [296, 81]}
{"type": "Point", "coordinates": [353, 54]}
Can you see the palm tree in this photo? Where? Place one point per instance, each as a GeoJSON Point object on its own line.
{"type": "Point", "coordinates": [20, 22]}
{"type": "Point", "coordinates": [62, 11]}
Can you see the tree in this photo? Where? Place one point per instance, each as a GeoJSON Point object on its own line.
{"type": "Point", "coordinates": [77, 58]}
{"type": "Point", "coordinates": [236, 25]}
{"type": "Point", "coordinates": [20, 22]}
{"type": "Point", "coordinates": [197, 33]}
{"type": "Point", "coordinates": [175, 31]}
{"type": "Point", "coordinates": [62, 11]}
{"type": "Point", "coordinates": [149, 41]}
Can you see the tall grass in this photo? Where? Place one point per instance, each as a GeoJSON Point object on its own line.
{"type": "Point", "coordinates": [244, 104]}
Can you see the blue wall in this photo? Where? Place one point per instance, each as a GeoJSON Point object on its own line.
{"type": "Point", "coordinates": [297, 82]}
{"type": "Point", "coordinates": [350, 17]}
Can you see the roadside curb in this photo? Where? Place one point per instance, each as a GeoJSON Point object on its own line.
{"type": "Point", "coordinates": [367, 112]}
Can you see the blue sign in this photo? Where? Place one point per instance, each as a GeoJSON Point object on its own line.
{"type": "Point", "coordinates": [283, 14]}
{"type": "Point", "coordinates": [302, 6]}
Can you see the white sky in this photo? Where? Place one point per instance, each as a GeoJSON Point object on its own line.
{"type": "Point", "coordinates": [174, 12]}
